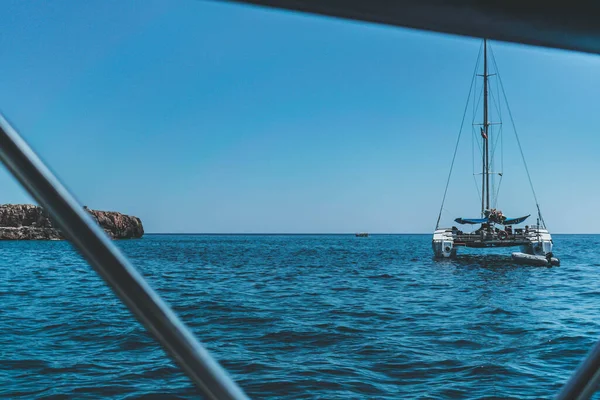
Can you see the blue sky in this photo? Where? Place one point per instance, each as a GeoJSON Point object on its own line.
{"type": "Point", "coordinates": [202, 116]}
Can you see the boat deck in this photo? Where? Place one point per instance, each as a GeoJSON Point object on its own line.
{"type": "Point", "coordinates": [478, 241]}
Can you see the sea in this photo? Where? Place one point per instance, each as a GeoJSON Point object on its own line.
{"type": "Point", "coordinates": [302, 317]}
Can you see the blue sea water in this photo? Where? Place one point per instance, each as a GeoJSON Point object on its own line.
{"type": "Point", "coordinates": [300, 317]}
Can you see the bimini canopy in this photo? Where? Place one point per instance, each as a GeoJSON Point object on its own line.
{"type": "Point", "coordinates": [515, 221]}
{"type": "Point", "coordinates": [471, 221]}
{"type": "Point", "coordinates": [474, 221]}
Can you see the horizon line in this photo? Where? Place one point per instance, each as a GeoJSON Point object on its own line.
{"type": "Point", "coordinates": [312, 233]}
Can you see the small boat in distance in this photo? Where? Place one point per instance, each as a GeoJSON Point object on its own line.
{"type": "Point", "coordinates": [361, 234]}
{"type": "Point", "coordinates": [494, 229]}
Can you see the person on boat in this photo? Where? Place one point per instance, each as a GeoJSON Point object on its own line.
{"type": "Point", "coordinates": [501, 217]}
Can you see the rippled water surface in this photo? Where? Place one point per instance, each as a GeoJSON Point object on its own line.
{"type": "Point", "coordinates": [297, 317]}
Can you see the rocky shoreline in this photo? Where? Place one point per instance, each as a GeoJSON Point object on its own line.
{"type": "Point", "coordinates": [29, 222]}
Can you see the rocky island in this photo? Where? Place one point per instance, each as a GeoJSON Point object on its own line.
{"type": "Point", "coordinates": [29, 222]}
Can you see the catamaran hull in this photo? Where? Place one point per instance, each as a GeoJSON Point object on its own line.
{"type": "Point", "coordinates": [443, 244]}
{"type": "Point", "coordinates": [540, 243]}
{"type": "Point", "coordinates": [443, 249]}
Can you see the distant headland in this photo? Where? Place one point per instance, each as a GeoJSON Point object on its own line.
{"type": "Point", "coordinates": [29, 222]}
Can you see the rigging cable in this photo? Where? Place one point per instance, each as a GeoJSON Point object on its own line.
{"type": "Point", "coordinates": [473, 140]}
{"type": "Point", "coordinates": [492, 138]}
{"type": "Point", "coordinates": [497, 105]}
{"type": "Point", "coordinates": [458, 140]}
{"type": "Point", "coordinates": [501, 136]}
{"type": "Point", "coordinates": [498, 138]}
{"type": "Point", "coordinates": [474, 136]}
{"type": "Point", "coordinates": [537, 204]}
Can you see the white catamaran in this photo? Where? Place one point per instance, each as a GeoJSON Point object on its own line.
{"type": "Point", "coordinates": [494, 229]}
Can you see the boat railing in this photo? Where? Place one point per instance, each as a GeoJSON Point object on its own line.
{"type": "Point", "coordinates": [489, 236]}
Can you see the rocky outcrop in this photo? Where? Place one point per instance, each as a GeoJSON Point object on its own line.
{"type": "Point", "coordinates": [117, 225]}
{"type": "Point", "coordinates": [29, 233]}
{"type": "Point", "coordinates": [29, 222]}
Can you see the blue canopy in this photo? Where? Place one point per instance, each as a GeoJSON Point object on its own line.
{"type": "Point", "coordinates": [471, 221]}
{"type": "Point", "coordinates": [474, 221]}
{"type": "Point", "coordinates": [515, 221]}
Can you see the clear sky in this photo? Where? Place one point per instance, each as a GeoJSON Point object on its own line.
{"type": "Point", "coordinates": [202, 116]}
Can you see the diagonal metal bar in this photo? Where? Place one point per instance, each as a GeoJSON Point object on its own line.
{"type": "Point", "coordinates": [212, 381]}
{"type": "Point", "coordinates": [584, 382]}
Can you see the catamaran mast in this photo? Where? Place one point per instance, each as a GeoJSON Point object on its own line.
{"type": "Point", "coordinates": [485, 181]}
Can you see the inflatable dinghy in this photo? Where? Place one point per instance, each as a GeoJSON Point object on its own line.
{"type": "Point", "coordinates": [529, 259]}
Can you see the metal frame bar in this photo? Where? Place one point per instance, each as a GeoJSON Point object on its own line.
{"type": "Point", "coordinates": [106, 259]}
{"type": "Point", "coordinates": [570, 26]}
{"type": "Point", "coordinates": [584, 381]}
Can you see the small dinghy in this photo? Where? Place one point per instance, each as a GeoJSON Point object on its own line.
{"type": "Point", "coordinates": [529, 259]}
